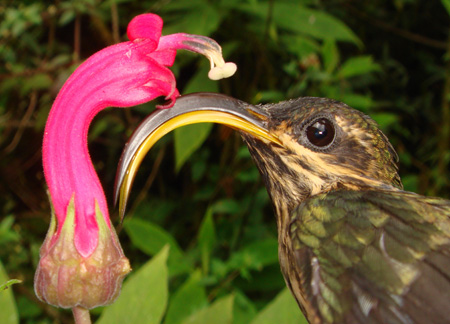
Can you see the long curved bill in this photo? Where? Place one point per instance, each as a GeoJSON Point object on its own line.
{"type": "Point", "coordinates": [189, 109]}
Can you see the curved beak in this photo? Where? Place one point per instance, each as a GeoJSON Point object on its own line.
{"type": "Point", "coordinates": [189, 109]}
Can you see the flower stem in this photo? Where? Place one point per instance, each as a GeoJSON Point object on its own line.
{"type": "Point", "coordinates": [81, 315]}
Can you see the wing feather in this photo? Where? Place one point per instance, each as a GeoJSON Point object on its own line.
{"type": "Point", "coordinates": [373, 257]}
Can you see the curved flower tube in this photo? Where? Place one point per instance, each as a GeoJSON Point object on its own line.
{"type": "Point", "coordinates": [81, 245]}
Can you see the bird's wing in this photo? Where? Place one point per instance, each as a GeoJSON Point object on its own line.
{"type": "Point", "coordinates": [374, 256]}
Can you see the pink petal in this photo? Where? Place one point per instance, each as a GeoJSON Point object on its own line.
{"type": "Point", "coordinates": [164, 57]}
{"type": "Point", "coordinates": [147, 26]}
{"type": "Point", "coordinates": [116, 76]}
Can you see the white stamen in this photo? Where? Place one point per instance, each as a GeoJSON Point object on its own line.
{"type": "Point", "coordinates": [221, 72]}
{"type": "Point", "coordinates": [219, 68]}
{"type": "Point", "coordinates": [209, 48]}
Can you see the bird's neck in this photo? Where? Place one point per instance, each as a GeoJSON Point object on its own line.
{"type": "Point", "coordinates": [287, 189]}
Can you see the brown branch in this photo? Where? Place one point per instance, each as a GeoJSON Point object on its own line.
{"type": "Point", "coordinates": [51, 35]}
{"type": "Point", "coordinates": [77, 39]}
{"type": "Point", "coordinates": [268, 20]}
{"type": "Point", "coordinates": [233, 275]}
{"type": "Point", "coordinates": [143, 193]}
{"type": "Point", "coordinates": [31, 72]}
{"type": "Point", "coordinates": [417, 38]}
{"type": "Point", "coordinates": [15, 123]}
{"type": "Point", "coordinates": [115, 22]}
{"type": "Point", "coordinates": [102, 30]}
{"type": "Point", "coordinates": [23, 123]}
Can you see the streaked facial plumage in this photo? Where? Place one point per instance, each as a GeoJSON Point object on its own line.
{"type": "Point", "coordinates": [360, 154]}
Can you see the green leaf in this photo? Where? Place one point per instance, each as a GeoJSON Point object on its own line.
{"type": "Point", "coordinates": [187, 140]}
{"type": "Point", "coordinates": [184, 5]}
{"type": "Point", "coordinates": [187, 300]}
{"type": "Point", "coordinates": [206, 239]}
{"type": "Point", "coordinates": [200, 81]}
{"type": "Point", "coordinates": [9, 283]}
{"type": "Point", "coordinates": [7, 233]}
{"type": "Point", "coordinates": [300, 45]}
{"type": "Point", "coordinates": [263, 252]}
{"type": "Point", "coordinates": [385, 120]}
{"type": "Point", "coordinates": [227, 206]}
{"type": "Point", "coordinates": [151, 238]}
{"type": "Point", "coordinates": [446, 4]}
{"type": "Point", "coordinates": [198, 18]}
{"type": "Point", "coordinates": [155, 209]}
{"type": "Point", "coordinates": [66, 17]}
{"type": "Point", "coordinates": [144, 295]}
{"type": "Point", "coordinates": [270, 96]}
{"type": "Point", "coordinates": [357, 101]}
{"type": "Point", "coordinates": [302, 20]}
{"type": "Point", "coordinates": [410, 182]}
{"type": "Point", "coordinates": [39, 81]}
{"type": "Point", "coordinates": [254, 256]}
{"type": "Point", "coordinates": [268, 280]}
{"type": "Point", "coordinates": [244, 310]}
{"type": "Point", "coordinates": [330, 55]}
{"type": "Point", "coordinates": [283, 309]}
{"type": "Point", "coordinates": [220, 312]}
{"type": "Point", "coordinates": [28, 309]}
{"type": "Point", "coordinates": [357, 66]}
{"type": "Point", "coordinates": [8, 308]}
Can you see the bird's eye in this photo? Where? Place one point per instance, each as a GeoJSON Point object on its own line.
{"type": "Point", "coordinates": [320, 132]}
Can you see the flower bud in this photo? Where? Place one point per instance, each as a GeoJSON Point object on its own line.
{"type": "Point", "coordinates": [66, 279]}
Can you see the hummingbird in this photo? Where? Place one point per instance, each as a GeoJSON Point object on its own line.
{"type": "Point", "coordinates": [354, 247]}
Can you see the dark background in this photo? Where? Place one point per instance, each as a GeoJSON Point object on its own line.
{"type": "Point", "coordinates": [389, 59]}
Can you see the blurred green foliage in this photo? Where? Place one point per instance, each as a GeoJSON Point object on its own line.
{"type": "Point", "coordinates": [198, 193]}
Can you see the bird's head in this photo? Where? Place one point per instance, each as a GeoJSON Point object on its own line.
{"type": "Point", "coordinates": [302, 147]}
{"type": "Point", "coordinates": [324, 145]}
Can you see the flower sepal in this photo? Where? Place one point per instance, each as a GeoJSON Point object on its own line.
{"type": "Point", "coordinates": [66, 279]}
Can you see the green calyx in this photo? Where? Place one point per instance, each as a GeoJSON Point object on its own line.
{"type": "Point", "coordinates": [66, 279]}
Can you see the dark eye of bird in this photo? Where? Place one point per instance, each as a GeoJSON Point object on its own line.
{"type": "Point", "coordinates": [320, 132]}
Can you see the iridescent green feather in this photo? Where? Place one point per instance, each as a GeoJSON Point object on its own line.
{"type": "Point", "coordinates": [373, 248]}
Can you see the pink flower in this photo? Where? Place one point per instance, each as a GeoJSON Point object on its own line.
{"type": "Point", "coordinates": [122, 75]}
